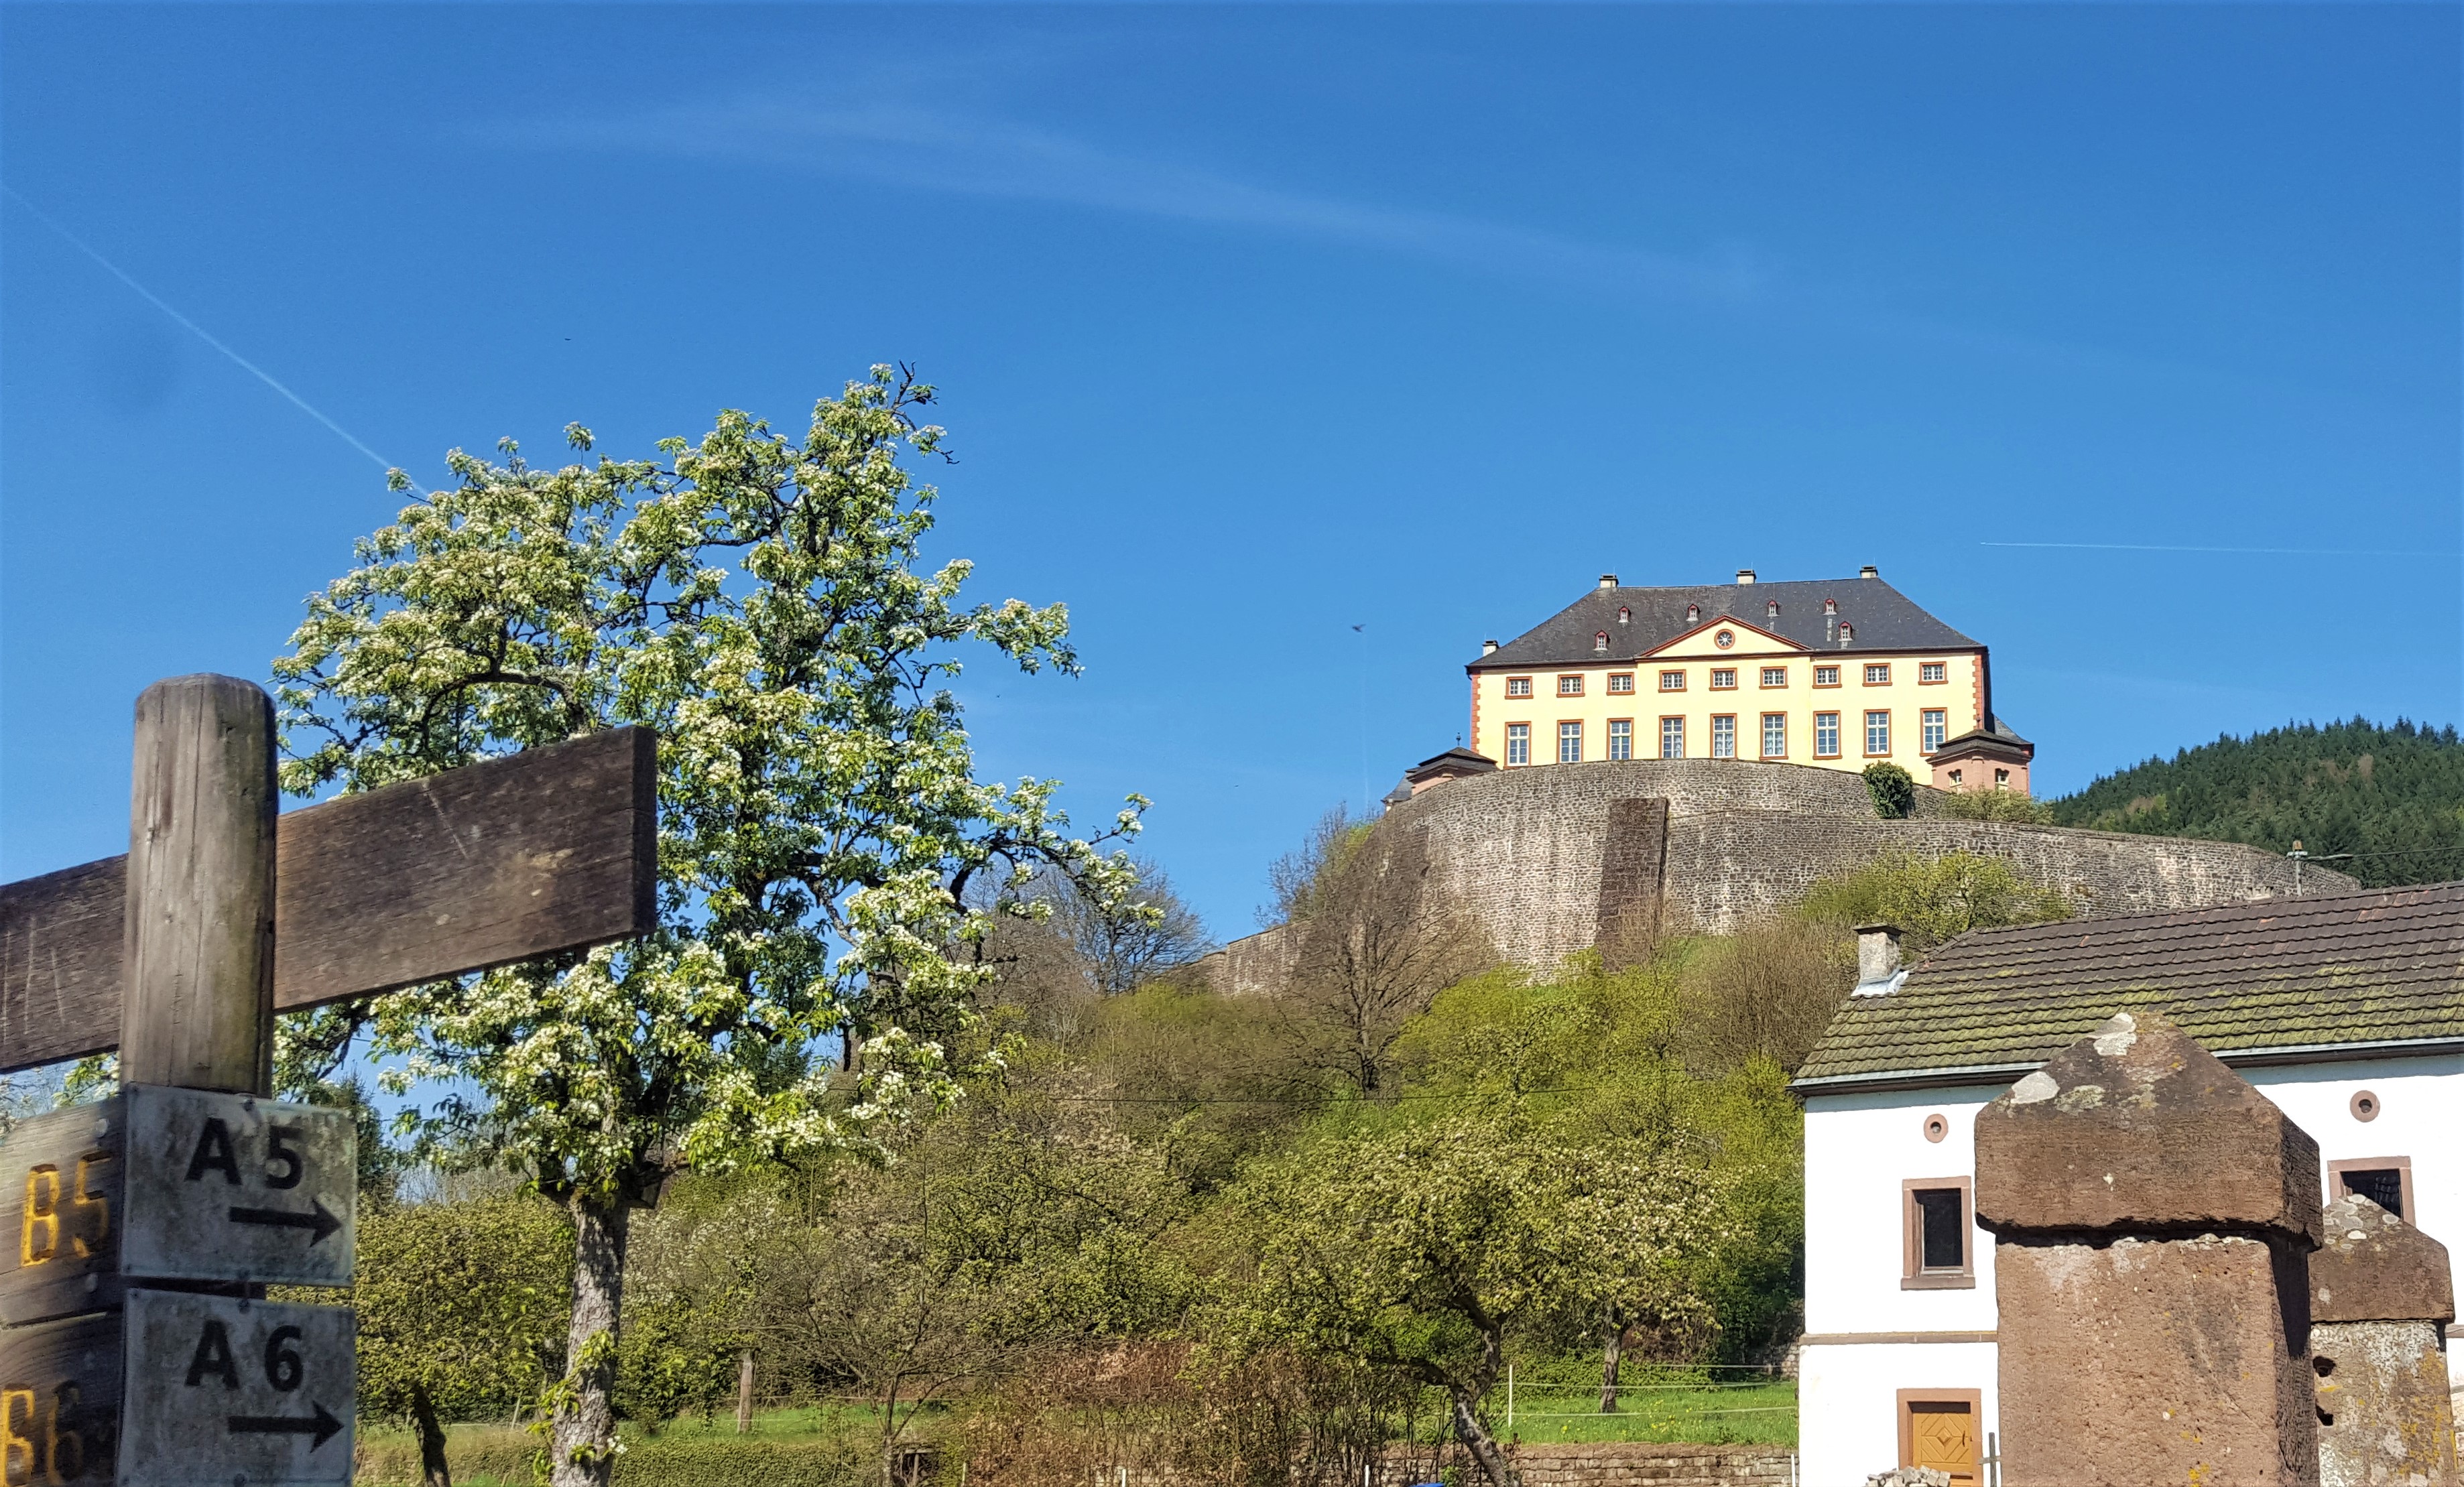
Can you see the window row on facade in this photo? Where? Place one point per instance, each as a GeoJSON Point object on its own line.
{"type": "Point", "coordinates": [1674, 679]}
{"type": "Point", "coordinates": [1575, 746]}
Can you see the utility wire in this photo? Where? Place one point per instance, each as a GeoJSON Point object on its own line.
{"type": "Point", "coordinates": [199, 331]}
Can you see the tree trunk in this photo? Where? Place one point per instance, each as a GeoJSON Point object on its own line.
{"type": "Point", "coordinates": [744, 1392]}
{"type": "Point", "coordinates": [583, 1453]}
{"type": "Point", "coordinates": [1611, 1356]}
{"type": "Point", "coordinates": [433, 1470]}
{"type": "Point", "coordinates": [1481, 1445]}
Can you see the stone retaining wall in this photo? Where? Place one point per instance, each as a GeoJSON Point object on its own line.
{"type": "Point", "coordinates": [1634, 1464]}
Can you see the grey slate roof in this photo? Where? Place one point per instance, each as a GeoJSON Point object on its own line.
{"type": "Point", "coordinates": [1880, 616]}
{"type": "Point", "coordinates": [2000, 733]}
{"type": "Point", "coordinates": [2344, 969]}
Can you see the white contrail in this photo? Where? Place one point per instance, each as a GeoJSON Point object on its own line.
{"type": "Point", "coordinates": [157, 301]}
{"type": "Point", "coordinates": [2287, 551]}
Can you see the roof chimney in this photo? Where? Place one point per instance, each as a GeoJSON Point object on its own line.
{"type": "Point", "coordinates": [1878, 960]}
{"type": "Point", "coordinates": [1869, 571]}
{"type": "Point", "coordinates": [1608, 580]}
{"type": "Point", "coordinates": [1745, 576]}
{"type": "Point", "coordinates": [1489, 647]}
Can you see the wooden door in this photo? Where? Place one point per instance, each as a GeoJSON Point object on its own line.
{"type": "Point", "coordinates": [1941, 1434]}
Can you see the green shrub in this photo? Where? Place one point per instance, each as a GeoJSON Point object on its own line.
{"type": "Point", "coordinates": [1995, 805]}
{"type": "Point", "coordinates": [504, 1456]}
{"type": "Point", "coordinates": [1893, 789]}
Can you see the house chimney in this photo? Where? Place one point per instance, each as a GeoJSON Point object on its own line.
{"type": "Point", "coordinates": [1608, 580]}
{"type": "Point", "coordinates": [1745, 576]}
{"type": "Point", "coordinates": [1869, 571]}
{"type": "Point", "coordinates": [1878, 959]}
{"type": "Point", "coordinates": [1489, 647]}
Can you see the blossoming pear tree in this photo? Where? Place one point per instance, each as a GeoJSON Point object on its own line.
{"type": "Point", "coordinates": [759, 600]}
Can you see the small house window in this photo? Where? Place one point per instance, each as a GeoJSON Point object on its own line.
{"type": "Point", "coordinates": [1518, 743]}
{"type": "Point", "coordinates": [1600, 642]}
{"type": "Point", "coordinates": [1770, 610]}
{"type": "Point", "coordinates": [1672, 739]}
{"type": "Point", "coordinates": [1937, 1219]}
{"type": "Point", "coordinates": [1672, 680]}
{"type": "Point", "coordinates": [1878, 674]}
{"type": "Point", "coordinates": [1933, 671]}
{"type": "Point", "coordinates": [1831, 606]}
{"type": "Point", "coordinates": [1723, 680]}
{"type": "Point", "coordinates": [1623, 682]}
{"type": "Point", "coordinates": [2001, 779]}
{"type": "Point", "coordinates": [1826, 735]}
{"type": "Point", "coordinates": [1826, 676]}
{"type": "Point", "coordinates": [1570, 687]}
{"type": "Point", "coordinates": [1847, 632]}
{"type": "Point", "coordinates": [1518, 686]}
{"type": "Point", "coordinates": [1620, 738]}
{"type": "Point", "coordinates": [1625, 616]}
{"type": "Point", "coordinates": [1724, 737]}
{"type": "Point", "coordinates": [1774, 736]}
{"type": "Point", "coordinates": [1693, 613]}
{"type": "Point", "coordinates": [2384, 1180]}
{"type": "Point", "coordinates": [1937, 725]}
{"type": "Point", "coordinates": [1774, 676]}
{"type": "Point", "coordinates": [1877, 732]}
{"type": "Point", "coordinates": [1956, 780]}
{"type": "Point", "coordinates": [1569, 743]}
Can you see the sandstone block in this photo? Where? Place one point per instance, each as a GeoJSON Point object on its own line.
{"type": "Point", "coordinates": [2383, 1415]}
{"type": "Point", "coordinates": [2375, 1267]}
{"type": "Point", "coordinates": [2144, 1361]}
{"type": "Point", "coordinates": [2140, 1130]}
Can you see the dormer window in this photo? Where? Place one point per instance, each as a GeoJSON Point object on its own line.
{"type": "Point", "coordinates": [1693, 614]}
{"type": "Point", "coordinates": [1847, 632]}
{"type": "Point", "coordinates": [1831, 606]}
{"type": "Point", "coordinates": [1770, 611]}
{"type": "Point", "coordinates": [1625, 616]}
{"type": "Point", "coordinates": [1600, 643]}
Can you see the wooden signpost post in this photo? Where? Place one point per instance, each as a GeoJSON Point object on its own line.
{"type": "Point", "coordinates": [139, 1231]}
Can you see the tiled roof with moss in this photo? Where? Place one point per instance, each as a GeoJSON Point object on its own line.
{"type": "Point", "coordinates": [2281, 973]}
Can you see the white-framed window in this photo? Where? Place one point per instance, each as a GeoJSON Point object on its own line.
{"type": "Point", "coordinates": [2001, 779]}
{"type": "Point", "coordinates": [1518, 743]}
{"type": "Point", "coordinates": [1774, 736]}
{"type": "Point", "coordinates": [1723, 679]}
{"type": "Point", "coordinates": [1621, 683]}
{"type": "Point", "coordinates": [1672, 680]}
{"type": "Point", "coordinates": [1518, 686]}
{"type": "Point", "coordinates": [1937, 728]}
{"type": "Point", "coordinates": [1877, 673]}
{"type": "Point", "coordinates": [1672, 739]}
{"type": "Point", "coordinates": [1878, 732]}
{"type": "Point", "coordinates": [1570, 687]}
{"type": "Point", "coordinates": [1826, 735]}
{"type": "Point", "coordinates": [1774, 676]}
{"type": "Point", "coordinates": [1724, 737]}
{"type": "Point", "coordinates": [1826, 676]}
{"type": "Point", "coordinates": [1569, 743]}
{"type": "Point", "coordinates": [1933, 671]}
{"type": "Point", "coordinates": [1600, 643]}
{"type": "Point", "coordinates": [1620, 738]}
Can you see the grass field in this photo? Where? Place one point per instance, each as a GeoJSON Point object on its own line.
{"type": "Point", "coordinates": [835, 1445]}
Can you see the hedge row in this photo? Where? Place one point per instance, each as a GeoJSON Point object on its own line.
{"type": "Point", "coordinates": [506, 1458]}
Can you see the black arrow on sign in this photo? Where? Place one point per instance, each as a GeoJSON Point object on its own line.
{"type": "Point", "coordinates": [322, 1425]}
{"type": "Point", "coordinates": [323, 1221]}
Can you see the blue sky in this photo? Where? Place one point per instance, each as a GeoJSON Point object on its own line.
{"type": "Point", "coordinates": [1256, 324]}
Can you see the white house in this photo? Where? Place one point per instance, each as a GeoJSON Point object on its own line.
{"type": "Point", "coordinates": [2347, 1011]}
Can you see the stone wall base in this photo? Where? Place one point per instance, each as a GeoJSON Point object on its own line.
{"type": "Point", "coordinates": [2383, 1415]}
{"type": "Point", "coordinates": [1641, 1464]}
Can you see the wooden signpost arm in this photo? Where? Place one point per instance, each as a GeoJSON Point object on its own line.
{"type": "Point", "coordinates": [197, 1008]}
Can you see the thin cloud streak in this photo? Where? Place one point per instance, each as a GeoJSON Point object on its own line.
{"type": "Point", "coordinates": [199, 331]}
{"type": "Point", "coordinates": [924, 151]}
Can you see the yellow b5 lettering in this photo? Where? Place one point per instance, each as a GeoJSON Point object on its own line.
{"type": "Point", "coordinates": [39, 1239]}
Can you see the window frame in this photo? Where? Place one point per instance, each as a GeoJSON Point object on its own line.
{"type": "Point", "coordinates": [1626, 691]}
{"type": "Point", "coordinates": [1513, 682]}
{"type": "Point", "coordinates": [1771, 672]}
{"type": "Point", "coordinates": [1681, 681]}
{"type": "Point", "coordinates": [1665, 719]}
{"type": "Point", "coordinates": [1769, 718]}
{"type": "Point", "coordinates": [1923, 679]}
{"type": "Point", "coordinates": [1614, 738]}
{"type": "Point", "coordinates": [1869, 668]}
{"type": "Point", "coordinates": [1867, 733]}
{"type": "Point", "coordinates": [1928, 720]}
{"type": "Point", "coordinates": [1719, 685]}
{"type": "Point", "coordinates": [1913, 1273]}
{"type": "Point", "coordinates": [1511, 762]}
{"type": "Point", "coordinates": [2401, 1164]}
{"type": "Point", "coordinates": [1834, 672]}
{"type": "Point", "coordinates": [1577, 724]}
{"type": "Point", "coordinates": [1718, 718]}
{"type": "Point", "coordinates": [1835, 735]}
{"type": "Point", "coordinates": [1564, 677]}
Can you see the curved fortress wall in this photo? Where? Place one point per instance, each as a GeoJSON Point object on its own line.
{"type": "Point", "coordinates": [1558, 859]}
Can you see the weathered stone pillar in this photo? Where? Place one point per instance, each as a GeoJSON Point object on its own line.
{"type": "Point", "coordinates": [2379, 1301]}
{"type": "Point", "coordinates": [2155, 1217]}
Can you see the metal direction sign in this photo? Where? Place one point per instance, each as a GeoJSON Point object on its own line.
{"type": "Point", "coordinates": [219, 1389]}
{"type": "Point", "coordinates": [59, 1403]}
{"type": "Point", "coordinates": [225, 1187]}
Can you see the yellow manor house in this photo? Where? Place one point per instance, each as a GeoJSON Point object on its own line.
{"type": "Point", "coordinates": [1839, 674]}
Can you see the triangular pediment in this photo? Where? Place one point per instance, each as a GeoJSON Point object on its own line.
{"type": "Point", "coordinates": [1703, 642]}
